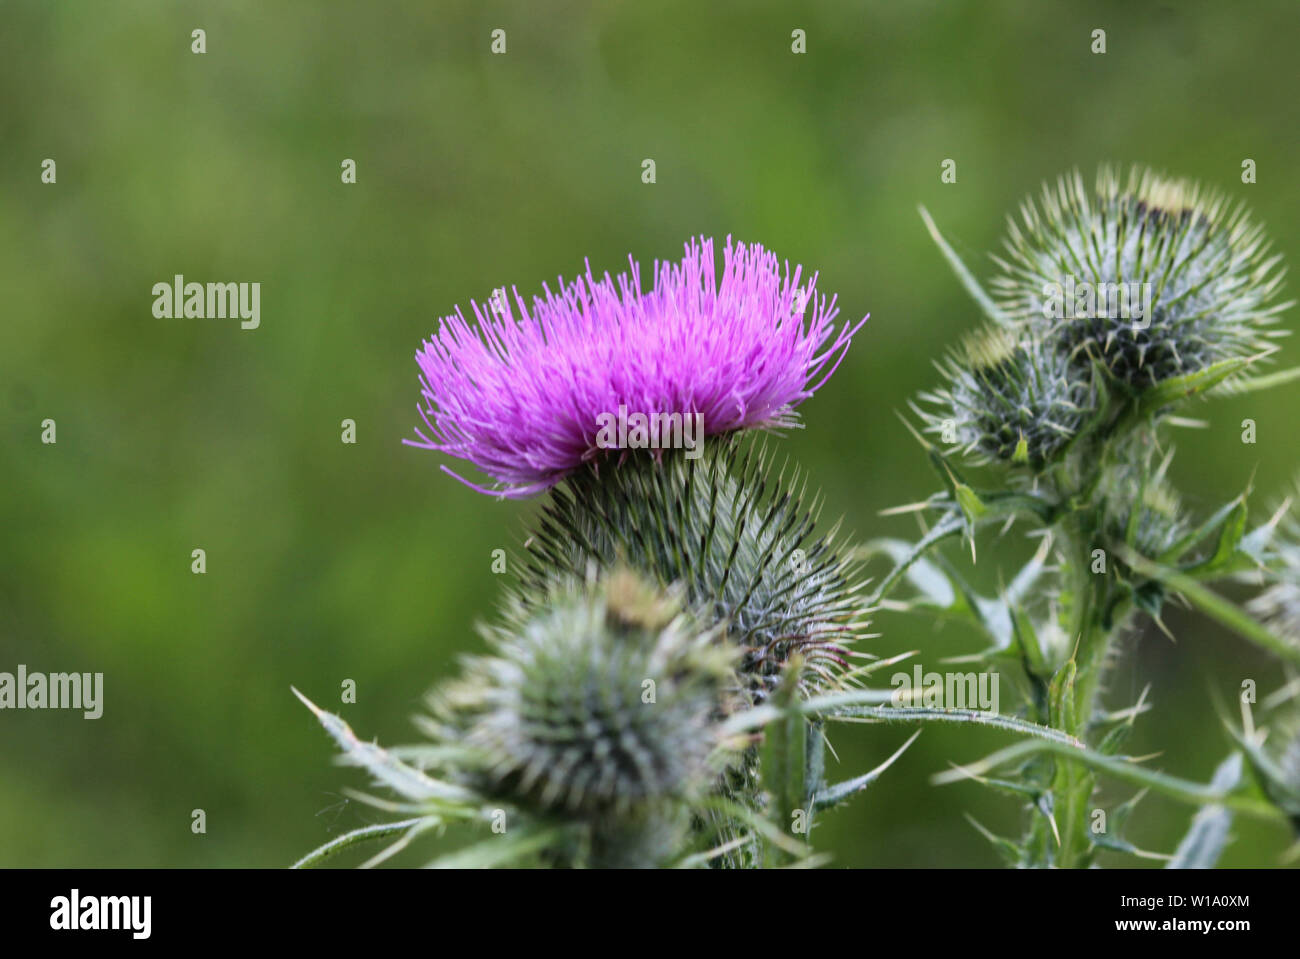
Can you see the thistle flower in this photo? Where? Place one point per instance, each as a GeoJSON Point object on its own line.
{"type": "Point", "coordinates": [739, 539]}
{"type": "Point", "coordinates": [522, 398]}
{"type": "Point", "coordinates": [1014, 402]}
{"type": "Point", "coordinates": [598, 704]}
{"type": "Point", "coordinates": [1156, 280]}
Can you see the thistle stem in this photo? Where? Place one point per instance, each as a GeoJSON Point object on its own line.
{"type": "Point", "coordinates": [1060, 834]}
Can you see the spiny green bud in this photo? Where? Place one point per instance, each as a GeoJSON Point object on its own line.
{"type": "Point", "coordinates": [1008, 401]}
{"type": "Point", "coordinates": [600, 699]}
{"type": "Point", "coordinates": [1143, 513]}
{"type": "Point", "coordinates": [1278, 606]}
{"type": "Point", "coordinates": [740, 541]}
{"type": "Point", "coordinates": [1157, 279]}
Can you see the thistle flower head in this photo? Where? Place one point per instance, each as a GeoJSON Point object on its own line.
{"type": "Point", "coordinates": [1006, 400]}
{"type": "Point", "coordinates": [1156, 279]}
{"type": "Point", "coordinates": [739, 539]}
{"type": "Point", "coordinates": [522, 395]}
{"type": "Point", "coordinates": [597, 703]}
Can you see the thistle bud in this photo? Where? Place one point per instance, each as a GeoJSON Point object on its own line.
{"type": "Point", "coordinates": [1008, 401]}
{"type": "Point", "coordinates": [1154, 280]}
{"type": "Point", "coordinates": [740, 540]}
{"type": "Point", "coordinates": [597, 703]}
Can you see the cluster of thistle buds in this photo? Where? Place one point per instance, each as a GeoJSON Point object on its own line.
{"type": "Point", "coordinates": [1113, 308]}
{"type": "Point", "coordinates": [670, 590]}
{"type": "Point", "coordinates": [1104, 296]}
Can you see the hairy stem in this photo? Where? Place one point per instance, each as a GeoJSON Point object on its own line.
{"type": "Point", "coordinates": [1060, 835]}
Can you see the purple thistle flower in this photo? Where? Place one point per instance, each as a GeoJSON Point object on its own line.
{"type": "Point", "coordinates": [521, 398]}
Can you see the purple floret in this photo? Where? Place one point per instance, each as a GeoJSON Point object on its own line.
{"type": "Point", "coordinates": [519, 396]}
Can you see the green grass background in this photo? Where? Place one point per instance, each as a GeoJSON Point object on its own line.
{"type": "Point", "coordinates": [329, 562]}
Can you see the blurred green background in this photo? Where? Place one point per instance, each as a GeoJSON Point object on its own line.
{"type": "Point", "coordinates": [328, 562]}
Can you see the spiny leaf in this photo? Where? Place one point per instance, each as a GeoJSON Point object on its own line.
{"type": "Point", "coordinates": [928, 580]}
{"type": "Point", "coordinates": [347, 840]}
{"type": "Point", "coordinates": [840, 792]}
{"type": "Point", "coordinates": [1225, 556]}
{"type": "Point", "coordinates": [1253, 384]}
{"type": "Point", "coordinates": [1008, 850]}
{"type": "Point", "coordinates": [986, 304]}
{"type": "Point", "coordinates": [1191, 384]}
{"type": "Point", "coordinates": [1008, 786]}
{"type": "Point", "coordinates": [1123, 769]}
{"type": "Point", "coordinates": [863, 705]}
{"type": "Point", "coordinates": [403, 779]}
{"type": "Point", "coordinates": [1225, 514]}
{"type": "Point", "coordinates": [1208, 835]}
{"type": "Point", "coordinates": [1119, 733]}
{"type": "Point", "coordinates": [500, 849]}
{"type": "Point", "coordinates": [1214, 606]}
{"type": "Point", "coordinates": [1254, 543]}
{"type": "Point", "coordinates": [948, 526]}
{"type": "Point", "coordinates": [1061, 696]}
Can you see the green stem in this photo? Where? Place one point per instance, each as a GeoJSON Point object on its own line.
{"type": "Point", "coordinates": [1064, 841]}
